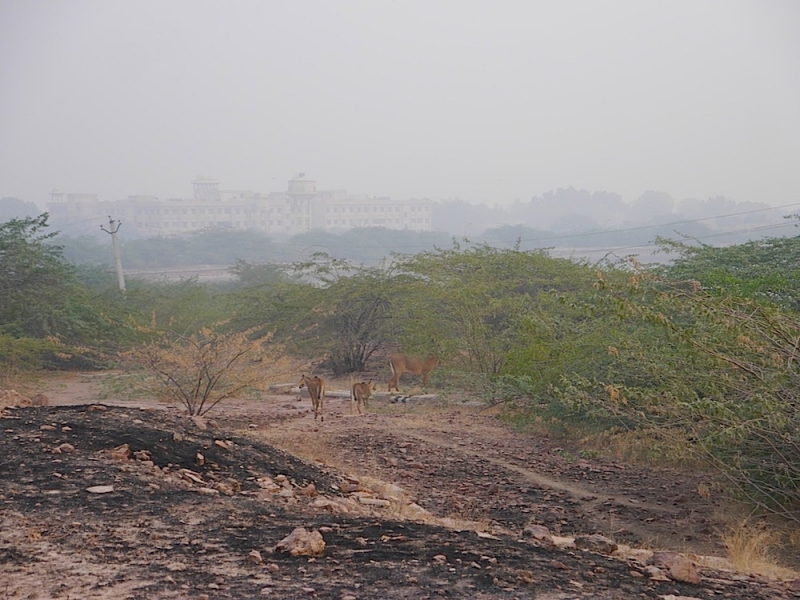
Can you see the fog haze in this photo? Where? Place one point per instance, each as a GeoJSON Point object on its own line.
{"type": "Point", "coordinates": [483, 101]}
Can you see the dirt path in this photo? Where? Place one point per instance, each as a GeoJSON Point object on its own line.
{"type": "Point", "coordinates": [459, 462]}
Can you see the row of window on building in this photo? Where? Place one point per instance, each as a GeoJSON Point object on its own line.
{"type": "Point", "coordinates": [374, 209]}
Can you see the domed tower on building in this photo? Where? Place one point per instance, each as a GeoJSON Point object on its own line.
{"type": "Point", "coordinates": [305, 212]}
{"type": "Point", "coordinates": [205, 188]}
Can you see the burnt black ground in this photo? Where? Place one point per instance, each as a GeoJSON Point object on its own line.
{"type": "Point", "coordinates": [155, 536]}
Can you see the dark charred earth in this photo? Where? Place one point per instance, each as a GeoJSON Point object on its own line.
{"type": "Point", "coordinates": [101, 501]}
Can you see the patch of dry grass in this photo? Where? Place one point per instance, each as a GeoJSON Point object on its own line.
{"type": "Point", "coordinates": [754, 550]}
{"type": "Point", "coordinates": [649, 447]}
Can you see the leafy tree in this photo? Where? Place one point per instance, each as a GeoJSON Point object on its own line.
{"type": "Point", "coordinates": [36, 281]}
{"type": "Point", "coordinates": [357, 320]}
{"type": "Point", "coordinates": [42, 298]}
{"type": "Point", "coordinates": [727, 379]}
{"type": "Point", "coordinates": [349, 311]}
{"type": "Point", "coordinates": [85, 250]}
{"type": "Point", "coordinates": [325, 309]}
{"type": "Point", "coordinates": [479, 303]}
{"type": "Point", "coordinates": [765, 269]}
{"type": "Point", "coordinates": [185, 305]}
{"type": "Point", "coordinates": [23, 355]}
{"type": "Point", "coordinates": [253, 275]}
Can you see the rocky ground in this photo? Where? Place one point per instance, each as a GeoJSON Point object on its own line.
{"type": "Point", "coordinates": [103, 498]}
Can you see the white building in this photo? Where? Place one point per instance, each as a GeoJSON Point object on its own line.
{"type": "Point", "coordinates": [298, 210]}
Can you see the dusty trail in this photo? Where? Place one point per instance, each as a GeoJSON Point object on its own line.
{"type": "Point", "coordinates": [458, 461]}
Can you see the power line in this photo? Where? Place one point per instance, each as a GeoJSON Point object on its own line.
{"type": "Point", "coordinates": [669, 224]}
{"type": "Point", "coordinates": [90, 220]}
{"type": "Point", "coordinates": [612, 250]}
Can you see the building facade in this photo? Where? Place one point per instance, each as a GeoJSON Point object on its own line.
{"type": "Point", "coordinates": [300, 209]}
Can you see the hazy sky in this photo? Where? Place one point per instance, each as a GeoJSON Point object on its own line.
{"type": "Point", "coordinates": [486, 101]}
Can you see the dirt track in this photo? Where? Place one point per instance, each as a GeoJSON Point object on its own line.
{"type": "Point", "coordinates": [162, 534]}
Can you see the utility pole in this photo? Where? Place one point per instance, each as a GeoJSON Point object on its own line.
{"type": "Point", "coordinates": [113, 229]}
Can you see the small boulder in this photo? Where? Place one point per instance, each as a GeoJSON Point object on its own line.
{"type": "Point", "coordinates": [684, 570]}
{"type": "Point", "coordinates": [538, 532]}
{"type": "Point", "coordinates": [121, 453]}
{"type": "Point", "coordinates": [596, 543]}
{"type": "Point", "coordinates": [302, 542]}
{"type": "Point", "coordinates": [664, 559]}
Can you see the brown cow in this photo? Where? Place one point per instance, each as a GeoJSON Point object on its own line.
{"type": "Point", "coordinates": [360, 393]}
{"type": "Point", "coordinates": [316, 389]}
{"type": "Point", "coordinates": [400, 364]}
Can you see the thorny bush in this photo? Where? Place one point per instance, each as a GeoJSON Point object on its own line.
{"type": "Point", "coordinates": [200, 370]}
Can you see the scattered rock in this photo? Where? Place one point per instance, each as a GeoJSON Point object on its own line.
{"type": "Point", "coordinates": [333, 506]}
{"type": "Point", "coordinates": [639, 555]}
{"type": "Point", "coordinates": [122, 452]}
{"type": "Point", "coordinates": [100, 489]}
{"type": "Point", "coordinates": [191, 476]}
{"type": "Point", "coordinates": [655, 573]}
{"type": "Point", "coordinates": [224, 488]}
{"type": "Point", "coordinates": [374, 501]}
{"type": "Point", "coordinates": [66, 448]}
{"type": "Point", "coordinates": [538, 532]}
{"type": "Point", "coordinates": [684, 570]}
{"type": "Point", "coordinates": [596, 543]}
{"type": "Point", "coordinates": [527, 577]}
{"type": "Point", "coordinates": [310, 490]}
{"type": "Point", "coordinates": [302, 542]}
{"type": "Point", "coordinates": [664, 559]}
{"type": "Point", "coordinates": [564, 543]}
{"type": "Point", "coordinates": [254, 557]}
{"type": "Point", "coordinates": [717, 563]}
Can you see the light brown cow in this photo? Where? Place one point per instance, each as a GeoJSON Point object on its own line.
{"type": "Point", "coordinates": [360, 393]}
{"type": "Point", "coordinates": [400, 364]}
{"type": "Point", "coordinates": [316, 389]}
